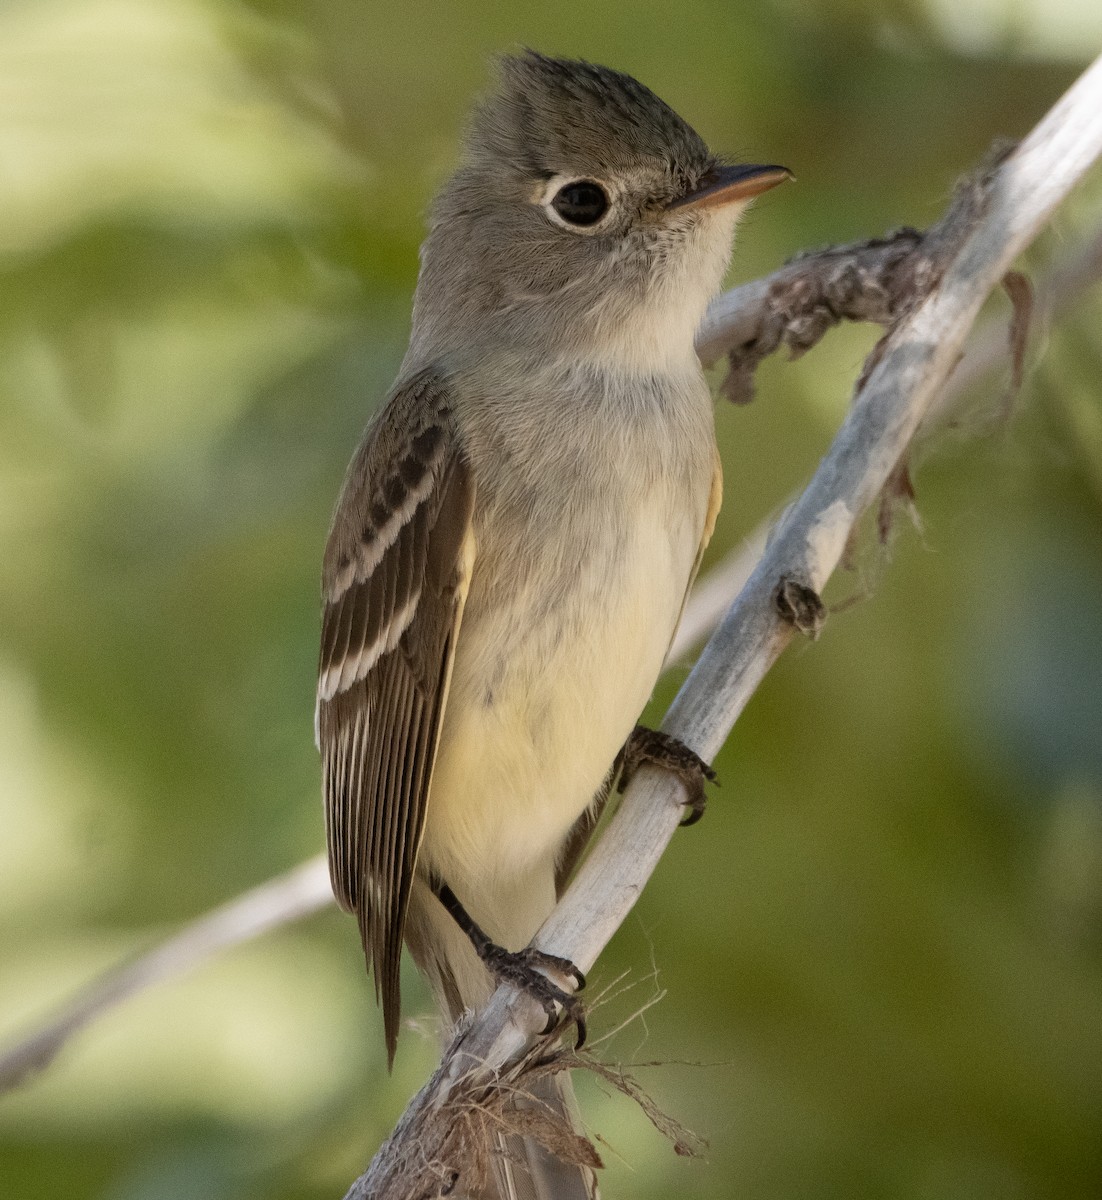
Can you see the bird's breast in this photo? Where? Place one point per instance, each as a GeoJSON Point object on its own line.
{"type": "Point", "coordinates": [570, 613]}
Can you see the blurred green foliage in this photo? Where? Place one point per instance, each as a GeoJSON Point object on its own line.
{"type": "Point", "coordinates": [882, 949]}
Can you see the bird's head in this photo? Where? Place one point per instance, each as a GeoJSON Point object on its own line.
{"type": "Point", "coordinates": [587, 217]}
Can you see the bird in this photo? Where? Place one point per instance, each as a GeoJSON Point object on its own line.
{"type": "Point", "coordinates": [519, 529]}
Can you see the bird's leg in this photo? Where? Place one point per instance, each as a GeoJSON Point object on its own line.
{"type": "Point", "coordinates": [524, 968]}
{"type": "Point", "coordinates": [662, 750]}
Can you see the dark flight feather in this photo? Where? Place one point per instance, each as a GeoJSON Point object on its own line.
{"type": "Point", "coordinates": [394, 580]}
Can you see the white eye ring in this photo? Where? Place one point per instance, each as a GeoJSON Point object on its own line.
{"type": "Point", "coordinates": [557, 184]}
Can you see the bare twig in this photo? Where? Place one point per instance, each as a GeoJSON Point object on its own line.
{"type": "Point", "coordinates": [298, 892]}
{"type": "Point", "coordinates": [879, 280]}
{"type": "Point", "coordinates": [1005, 210]}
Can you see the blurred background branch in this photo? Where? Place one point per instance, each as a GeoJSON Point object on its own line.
{"type": "Point", "coordinates": [288, 897]}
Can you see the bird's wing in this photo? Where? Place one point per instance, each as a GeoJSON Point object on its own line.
{"type": "Point", "coordinates": [395, 577]}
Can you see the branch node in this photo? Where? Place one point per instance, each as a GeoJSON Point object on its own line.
{"type": "Point", "coordinates": [801, 606]}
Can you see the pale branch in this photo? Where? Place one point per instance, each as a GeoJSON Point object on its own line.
{"type": "Point", "coordinates": [296, 893]}
{"type": "Point", "coordinates": [735, 319]}
{"type": "Point", "coordinates": [1004, 209]}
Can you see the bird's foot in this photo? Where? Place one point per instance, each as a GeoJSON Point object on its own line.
{"type": "Point", "coordinates": [662, 750]}
{"type": "Point", "coordinates": [526, 970]}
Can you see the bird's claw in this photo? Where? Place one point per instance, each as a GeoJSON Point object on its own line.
{"type": "Point", "coordinates": [665, 751]}
{"type": "Point", "coordinates": [525, 969]}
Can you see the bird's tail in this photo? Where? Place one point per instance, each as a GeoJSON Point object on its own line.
{"type": "Point", "coordinates": [522, 1168]}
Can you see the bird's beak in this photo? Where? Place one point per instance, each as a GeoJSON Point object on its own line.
{"type": "Point", "coordinates": [725, 185]}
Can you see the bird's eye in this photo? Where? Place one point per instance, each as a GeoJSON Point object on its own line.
{"type": "Point", "coordinates": [582, 202]}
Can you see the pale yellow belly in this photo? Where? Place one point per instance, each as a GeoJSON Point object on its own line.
{"type": "Point", "coordinates": [540, 703]}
